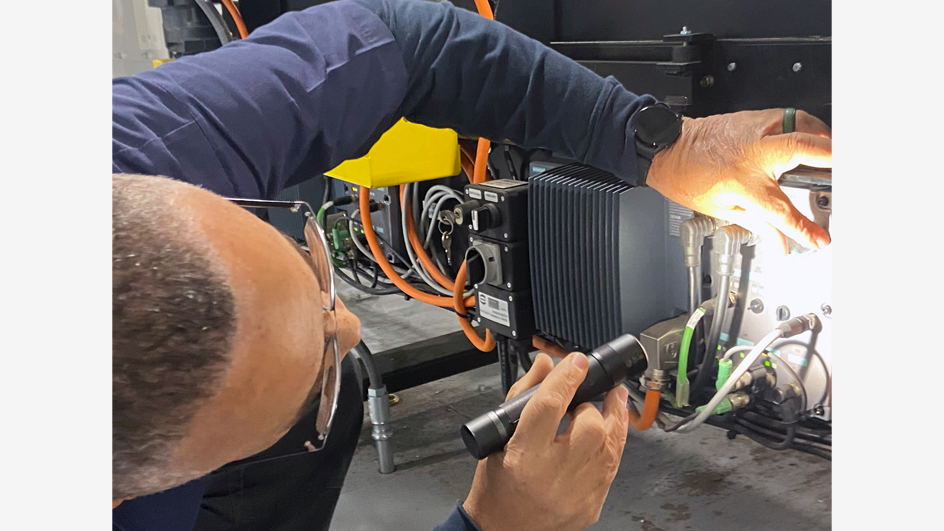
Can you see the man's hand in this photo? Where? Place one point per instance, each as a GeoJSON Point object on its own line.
{"type": "Point", "coordinates": [545, 481]}
{"type": "Point", "coordinates": [727, 166]}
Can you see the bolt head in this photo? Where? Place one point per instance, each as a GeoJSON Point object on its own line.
{"type": "Point", "coordinates": [508, 285]}
{"type": "Point", "coordinates": [506, 248]}
{"type": "Point", "coordinates": [707, 81]}
{"type": "Point", "coordinates": [732, 67]}
{"type": "Point", "coordinates": [826, 309]}
{"type": "Point", "coordinates": [822, 201]}
{"type": "Point", "coordinates": [510, 298]}
{"type": "Point", "coordinates": [502, 198]}
{"type": "Point", "coordinates": [818, 410]}
{"type": "Point", "coordinates": [783, 313]}
{"type": "Point", "coordinates": [797, 67]}
{"type": "Point", "coordinates": [757, 306]}
{"type": "Point", "coordinates": [506, 235]}
{"type": "Point", "coordinates": [514, 334]}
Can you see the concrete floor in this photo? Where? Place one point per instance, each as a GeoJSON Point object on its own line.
{"type": "Point", "coordinates": [700, 481]}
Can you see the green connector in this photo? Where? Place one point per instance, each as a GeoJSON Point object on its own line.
{"type": "Point", "coordinates": [723, 407]}
{"type": "Point", "coordinates": [724, 371]}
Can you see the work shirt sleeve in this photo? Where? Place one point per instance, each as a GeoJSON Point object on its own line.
{"type": "Point", "coordinates": [317, 87]}
{"type": "Point", "coordinates": [459, 520]}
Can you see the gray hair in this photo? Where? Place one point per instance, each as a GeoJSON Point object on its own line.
{"type": "Point", "coordinates": [173, 323]}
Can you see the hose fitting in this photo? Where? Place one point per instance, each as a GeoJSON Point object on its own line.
{"type": "Point", "coordinates": [378, 404]}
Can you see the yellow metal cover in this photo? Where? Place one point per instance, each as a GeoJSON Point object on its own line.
{"type": "Point", "coordinates": [406, 153]}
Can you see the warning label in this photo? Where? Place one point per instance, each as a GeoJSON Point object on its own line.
{"type": "Point", "coordinates": [493, 309]}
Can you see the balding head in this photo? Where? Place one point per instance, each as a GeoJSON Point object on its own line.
{"type": "Point", "coordinates": [173, 323]}
{"type": "Point", "coordinates": [218, 334]}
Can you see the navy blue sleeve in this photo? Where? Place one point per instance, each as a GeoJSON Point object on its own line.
{"type": "Point", "coordinates": [482, 78]}
{"type": "Point", "coordinates": [319, 86]}
{"type": "Point", "coordinates": [297, 97]}
{"type": "Point", "coordinates": [172, 510]}
{"type": "Point", "coordinates": [458, 521]}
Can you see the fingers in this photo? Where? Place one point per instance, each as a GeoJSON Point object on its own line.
{"type": "Point", "coordinates": [616, 421]}
{"type": "Point", "coordinates": [541, 367]}
{"type": "Point", "coordinates": [774, 208]}
{"type": "Point", "coordinates": [807, 123]}
{"type": "Point", "coordinates": [785, 152]}
{"type": "Point", "coordinates": [541, 417]}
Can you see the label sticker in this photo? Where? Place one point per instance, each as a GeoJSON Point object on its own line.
{"type": "Point", "coordinates": [491, 196]}
{"type": "Point", "coordinates": [693, 320]}
{"type": "Point", "coordinates": [675, 216]}
{"type": "Point", "coordinates": [474, 193]}
{"type": "Point", "coordinates": [493, 309]}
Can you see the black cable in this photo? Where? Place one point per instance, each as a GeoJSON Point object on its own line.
{"type": "Point", "coordinates": [373, 375]}
{"type": "Point", "coordinates": [785, 443]}
{"type": "Point", "coordinates": [682, 422]}
{"type": "Point", "coordinates": [507, 363]}
{"type": "Point", "coordinates": [525, 358]}
{"type": "Point", "coordinates": [510, 163]}
{"type": "Point", "coordinates": [350, 281]}
{"type": "Point", "coordinates": [373, 267]}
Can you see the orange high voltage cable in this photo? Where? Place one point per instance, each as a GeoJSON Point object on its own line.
{"type": "Point", "coordinates": [237, 18]}
{"type": "Point", "coordinates": [374, 244]}
{"type": "Point", "coordinates": [485, 345]}
{"type": "Point", "coordinates": [649, 410]}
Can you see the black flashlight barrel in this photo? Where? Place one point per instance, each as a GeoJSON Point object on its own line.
{"type": "Point", "coordinates": [608, 366]}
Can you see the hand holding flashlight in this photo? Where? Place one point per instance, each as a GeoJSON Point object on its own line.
{"type": "Point", "coordinates": [563, 478]}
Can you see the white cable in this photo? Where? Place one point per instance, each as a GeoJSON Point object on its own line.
{"type": "Point", "coordinates": [417, 266]}
{"type": "Point", "coordinates": [743, 367]}
{"type": "Point", "coordinates": [734, 350]}
{"type": "Point", "coordinates": [366, 252]}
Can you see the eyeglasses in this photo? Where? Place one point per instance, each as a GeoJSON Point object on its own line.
{"type": "Point", "coordinates": [321, 265]}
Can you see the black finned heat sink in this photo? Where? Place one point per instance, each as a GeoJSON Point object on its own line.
{"type": "Point", "coordinates": [602, 263]}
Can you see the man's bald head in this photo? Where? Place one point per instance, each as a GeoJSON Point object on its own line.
{"type": "Point", "coordinates": [173, 325]}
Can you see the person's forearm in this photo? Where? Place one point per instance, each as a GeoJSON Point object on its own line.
{"type": "Point", "coordinates": [483, 79]}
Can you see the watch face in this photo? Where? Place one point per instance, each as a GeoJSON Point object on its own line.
{"type": "Point", "coordinates": [657, 125]}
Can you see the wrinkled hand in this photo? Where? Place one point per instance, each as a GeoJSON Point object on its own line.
{"type": "Point", "coordinates": [727, 166]}
{"type": "Point", "coordinates": [545, 481]}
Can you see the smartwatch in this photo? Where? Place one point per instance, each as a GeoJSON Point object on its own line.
{"type": "Point", "coordinates": [655, 128]}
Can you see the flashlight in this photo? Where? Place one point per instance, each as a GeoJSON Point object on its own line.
{"type": "Point", "coordinates": [609, 365]}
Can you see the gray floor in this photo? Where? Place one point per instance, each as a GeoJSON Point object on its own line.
{"type": "Point", "coordinates": [699, 481]}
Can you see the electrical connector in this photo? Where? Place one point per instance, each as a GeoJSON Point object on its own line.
{"type": "Point", "coordinates": [724, 371]}
{"type": "Point", "coordinates": [729, 403]}
{"type": "Point", "coordinates": [798, 325]}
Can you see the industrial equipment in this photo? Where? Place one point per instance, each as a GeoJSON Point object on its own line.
{"type": "Point", "coordinates": [537, 252]}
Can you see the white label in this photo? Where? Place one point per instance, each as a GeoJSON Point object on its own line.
{"type": "Point", "coordinates": [493, 309]}
{"type": "Point", "coordinates": [693, 320]}
{"type": "Point", "coordinates": [475, 193]}
{"type": "Point", "coordinates": [675, 216]}
{"type": "Point", "coordinates": [491, 196]}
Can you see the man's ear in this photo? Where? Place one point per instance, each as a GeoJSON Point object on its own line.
{"type": "Point", "coordinates": [115, 503]}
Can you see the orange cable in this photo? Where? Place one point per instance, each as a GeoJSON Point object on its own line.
{"type": "Point", "coordinates": [484, 9]}
{"type": "Point", "coordinates": [437, 275]}
{"type": "Point", "coordinates": [237, 18]}
{"type": "Point", "coordinates": [364, 203]}
{"type": "Point", "coordinates": [481, 161]}
{"type": "Point", "coordinates": [649, 410]}
{"type": "Point", "coordinates": [548, 347]}
{"type": "Point", "coordinates": [485, 345]}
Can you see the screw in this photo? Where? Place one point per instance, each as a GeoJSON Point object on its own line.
{"type": "Point", "coordinates": [476, 286]}
{"type": "Point", "coordinates": [827, 310]}
{"type": "Point", "coordinates": [685, 31]}
{"type": "Point", "coordinates": [502, 198]}
{"type": "Point", "coordinates": [797, 67]}
{"type": "Point", "coordinates": [757, 305]}
{"type": "Point", "coordinates": [707, 81]}
{"type": "Point", "coordinates": [510, 298]}
{"type": "Point", "coordinates": [506, 248]}
{"type": "Point", "coordinates": [514, 334]}
{"type": "Point", "coordinates": [819, 410]}
{"type": "Point", "coordinates": [470, 239]}
{"type": "Point", "coordinates": [783, 313]}
{"type": "Point", "coordinates": [508, 285]}
{"type": "Point", "coordinates": [822, 201]}
{"type": "Point", "coordinates": [732, 67]}
{"type": "Point", "coordinates": [506, 234]}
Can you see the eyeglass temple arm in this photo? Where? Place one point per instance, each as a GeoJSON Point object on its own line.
{"type": "Point", "coordinates": [269, 203]}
